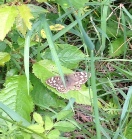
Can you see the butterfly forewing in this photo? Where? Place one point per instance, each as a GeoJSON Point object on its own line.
{"type": "Point", "coordinates": [56, 83]}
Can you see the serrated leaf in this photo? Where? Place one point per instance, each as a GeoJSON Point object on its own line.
{"type": "Point", "coordinates": [15, 96]}
{"type": "Point", "coordinates": [69, 55]}
{"type": "Point", "coordinates": [37, 128]}
{"type": "Point", "coordinates": [48, 123]}
{"type": "Point", "coordinates": [4, 57]}
{"type": "Point", "coordinates": [117, 48]}
{"type": "Point", "coordinates": [64, 114]}
{"type": "Point", "coordinates": [46, 69]}
{"type": "Point", "coordinates": [7, 16]}
{"type": "Point", "coordinates": [26, 15]}
{"type": "Point", "coordinates": [38, 118]}
{"type": "Point", "coordinates": [53, 134]}
{"type": "Point", "coordinates": [64, 126]}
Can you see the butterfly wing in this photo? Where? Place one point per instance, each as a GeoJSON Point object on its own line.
{"type": "Point", "coordinates": [72, 81]}
{"type": "Point", "coordinates": [81, 77]}
{"type": "Point", "coordinates": [57, 83]}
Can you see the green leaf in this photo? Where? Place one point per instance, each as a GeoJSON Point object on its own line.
{"type": "Point", "coordinates": [64, 114]}
{"type": "Point", "coordinates": [13, 115]}
{"type": "Point", "coordinates": [15, 96]}
{"type": "Point", "coordinates": [20, 25]}
{"type": "Point", "coordinates": [26, 15]}
{"type": "Point", "coordinates": [128, 131]}
{"type": "Point", "coordinates": [54, 134]}
{"type": "Point", "coordinates": [46, 69]}
{"type": "Point", "coordinates": [48, 123]}
{"type": "Point", "coordinates": [25, 135]}
{"type": "Point", "coordinates": [3, 46]}
{"type": "Point", "coordinates": [41, 1]}
{"type": "Point", "coordinates": [36, 128]}
{"type": "Point", "coordinates": [38, 118]}
{"type": "Point", "coordinates": [117, 47]}
{"type": "Point", "coordinates": [64, 126]}
{"type": "Point", "coordinates": [75, 3]}
{"type": "Point", "coordinates": [36, 10]}
{"type": "Point", "coordinates": [7, 16]}
{"type": "Point", "coordinates": [62, 138]}
{"type": "Point", "coordinates": [112, 28]}
{"type": "Point", "coordinates": [4, 57]}
{"type": "Point", "coordinates": [69, 55]}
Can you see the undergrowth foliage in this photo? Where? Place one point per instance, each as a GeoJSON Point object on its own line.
{"type": "Point", "coordinates": [56, 38]}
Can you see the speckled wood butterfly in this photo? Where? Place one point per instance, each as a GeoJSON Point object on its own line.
{"type": "Point", "coordinates": [72, 81]}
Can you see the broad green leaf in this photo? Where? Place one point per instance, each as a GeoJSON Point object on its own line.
{"type": "Point", "coordinates": [35, 136]}
{"type": "Point", "coordinates": [20, 25]}
{"type": "Point", "coordinates": [26, 15]}
{"type": "Point", "coordinates": [3, 46]}
{"type": "Point", "coordinates": [38, 118]}
{"type": "Point", "coordinates": [64, 114]}
{"type": "Point", "coordinates": [43, 97]}
{"type": "Point", "coordinates": [117, 47]}
{"type": "Point", "coordinates": [69, 55]}
{"type": "Point", "coordinates": [4, 57]}
{"type": "Point", "coordinates": [21, 42]}
{"type": "Point", "coordinates": [75, 3]}
{"type": "Point", "coordinates": [46, 69]}
{"type": "Point", "coordinates": [48, 123]}
{"type": "Point", "coordinates": [25, 135]}
{"type": "Point", "coordinates": [62, 138]}
{"type": "Point", "coordinates": [7, 18]}
{"type": "Point", "coordinates": [54, 134]}
{"type": "Point", "coordinates": [36, 128]}
{"type": "Point", "coordinates": [15, 96]}
{"type": "Point", "coordinates": [112, 28]}
{"type": "Point", "coordinates": [64, 126]}
{"type": "Point", "coordinates": [36, 10]}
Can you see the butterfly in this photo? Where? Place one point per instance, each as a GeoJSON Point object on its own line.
{"type": "Point", "coordinates": [72, 81]}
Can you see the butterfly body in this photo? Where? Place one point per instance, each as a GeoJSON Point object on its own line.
{"type": "Point", "coordinates": [72, 82]}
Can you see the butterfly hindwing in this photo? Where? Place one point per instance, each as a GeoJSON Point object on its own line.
{"type": "Point", "coordinates": [81, 76]}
